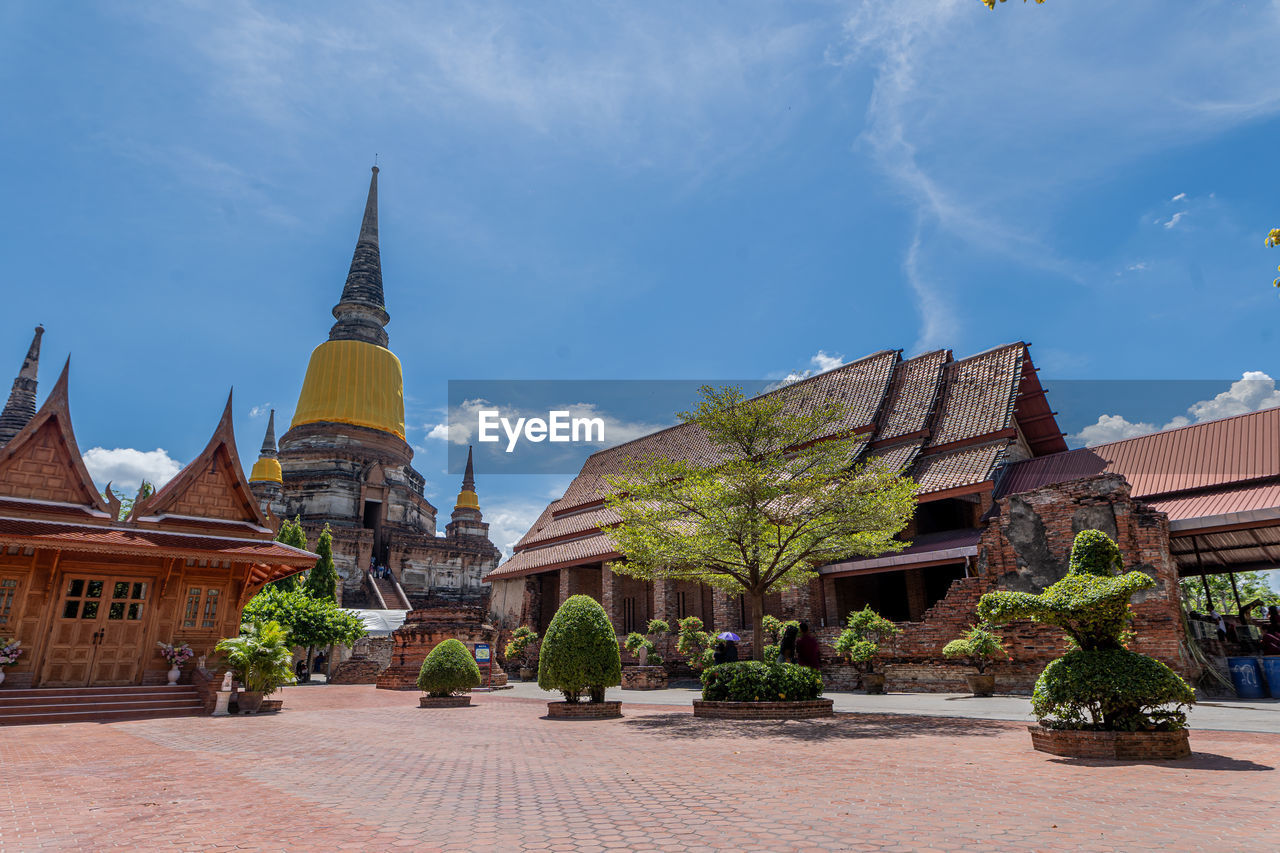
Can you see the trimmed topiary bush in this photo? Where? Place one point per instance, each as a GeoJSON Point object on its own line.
{"type": "Point", "coordinates": [1099, 684]}
{"type": "Point", "coordinates": [580, 651]}
{"type": "Point", "coordinates": [859, 642]}
{"type": "Point", "coordinates": [754, 681]}
{"type": "Point", "coordinates": [449, 669]}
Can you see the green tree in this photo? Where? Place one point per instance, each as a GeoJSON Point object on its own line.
{"type": "Point", "coordinates": [310, 622]}
{"type": "Point", "coordinates": [1253, 587]}
{"type": "Point", "coordinates": [291, 533]}
{"type": "Point", "coordinates": [322, 581]}
{"type": "Point", "coordinates": [782, 498]}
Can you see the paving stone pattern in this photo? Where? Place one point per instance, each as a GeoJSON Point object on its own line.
{"type": "Point", "coordinates": [354, 768]}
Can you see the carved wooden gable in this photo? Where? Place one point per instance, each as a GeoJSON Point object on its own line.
{"type": "Point", "coordinates": [212, 486]}
{"type": "Point", "coordinates": [42, 462]}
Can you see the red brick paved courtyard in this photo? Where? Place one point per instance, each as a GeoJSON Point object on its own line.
{"type": "Point", "coordinates": [352, 768]}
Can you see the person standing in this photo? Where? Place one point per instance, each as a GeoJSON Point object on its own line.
{"type": "Point", "coordinates": [807, 651]}
{"type": "Point", "coordinates": [787, 648]}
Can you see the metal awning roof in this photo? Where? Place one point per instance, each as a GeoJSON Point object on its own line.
{"type": "Point", "coordinates": [933, 549]}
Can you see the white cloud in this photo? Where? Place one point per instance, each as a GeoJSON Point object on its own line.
{"type": "Point", "coordinates": [439, 431]}
{"type": "Point", "coordinates": [1179, 197]}
{"type": "Point", "coordinates": [1138, 267]}
{"type": "Point", "coordinates": [1173, 220]}
{"type": "Point", "coordinates": [822, 361]}
{"type": "Point", "coordinates": [1252, 392]}
{"type": "Point", "coordinates": [259, 411]}
{"type": "Point", "coordinates": [126, 468]}
{"type": "Point", "coordinates": [509, 520]}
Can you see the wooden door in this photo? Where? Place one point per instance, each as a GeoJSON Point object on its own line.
{"type": "Point", "coordinates": [97, 632]}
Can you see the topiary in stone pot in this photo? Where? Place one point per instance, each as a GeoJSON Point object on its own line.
{"type": "Point", "coordinates": [1099, 686]}
{"type": "Point", "coordinates": [580, 652]}
{"type": "Point", "coordinates": [447, 673]}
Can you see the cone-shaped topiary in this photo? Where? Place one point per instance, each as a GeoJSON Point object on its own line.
{"type": "Point", "coordinates": [580, 651]}
{"type": "Point", "coordinates": [449, 669]}
{"type": "Point", "coordinates": [1099, 684]}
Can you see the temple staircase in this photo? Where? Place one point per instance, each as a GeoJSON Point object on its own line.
{"type": "Point", "coordinates": [387, 594]}
{"type": "Point", "coordinates": [97, 704]}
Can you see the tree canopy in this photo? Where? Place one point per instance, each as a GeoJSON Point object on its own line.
{"type": "Point", "coordinates": [291, 533]}
{"type": "Point", "coordinates": [310, 622]}
{"type": "Point", "coordinates": [322, 581]}
{"type": "Point", "coordinates": [782, 498]}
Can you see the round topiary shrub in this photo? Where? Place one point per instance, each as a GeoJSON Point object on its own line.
{"type": "Point", "coordinates": [449, 669]}
{"type": "Point", "coordinates": [580, 651]}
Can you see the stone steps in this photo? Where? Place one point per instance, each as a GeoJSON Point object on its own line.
{"type": "Point", "coordinates": [97, 704]}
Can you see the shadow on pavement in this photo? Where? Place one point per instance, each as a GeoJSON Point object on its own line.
{"type": "Point", "coordinates": [843, 726]}
{"type": "Point", "coordinates": [1197, 761]}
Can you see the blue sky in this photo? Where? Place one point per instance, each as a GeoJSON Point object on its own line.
{"type": "Point", "coordinates": [657, 191]}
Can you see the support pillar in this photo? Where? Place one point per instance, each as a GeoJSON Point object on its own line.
{"type": "Point", "coordinates": [609, 596]}
{"type": "Point", "coordinates": [566, 580]}
{"type": "Point", "coordinates": [915, 594]}
{"type": "Point", "coordinates": [664, 601]}
{"type": "Point", "coordinates": [832, 607]}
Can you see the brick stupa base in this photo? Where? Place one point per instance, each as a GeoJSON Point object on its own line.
{"type": "Point", "coordinates": [423, 630]}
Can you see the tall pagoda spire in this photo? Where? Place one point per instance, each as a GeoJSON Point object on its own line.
{"type": "Point", "coordinates": [21, 406]}
{"type": "Point", "coordinates": [361, 314]}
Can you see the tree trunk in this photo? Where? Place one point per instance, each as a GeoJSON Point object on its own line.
{"type": "Point", "coordinates": [757, 625]}
{"type": "Point", "coordinates": [311, 650]}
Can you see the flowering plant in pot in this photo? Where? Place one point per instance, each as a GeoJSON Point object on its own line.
{"type": "Point", "coordinates": [175, 656]}
{"type": "Point", "coordinates": [521, 649]}
{"type": "Point", "coordinates": [9, 654]}
{"type": "Point", "coordinates": [978, 647]}
{"type": "Point", "coordinates": [859, 642]}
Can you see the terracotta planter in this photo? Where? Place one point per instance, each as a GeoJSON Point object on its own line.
{"type": "Point", "coordinates": [873, 682]}
{"type": "Point", "coordinates": [1123, 746]}
{"type": "Point", "coordinates": [445, 701]}
{"type": "Point", "coordinates": [584, 710]}
{"type": "Point", "coordinates": [807, 710]}
{"type": "Point", "coordinates": [980, 685]}
{"type": "Point", "coordinates": [249, 701]}
{"type": "Point", "coordinates": [527, 673]}
{"type": "Point", "coordinates": [270, 706]}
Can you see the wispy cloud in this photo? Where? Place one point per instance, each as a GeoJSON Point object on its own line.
{"type": "Point", "coordinates": [1179, 197]}
{"type": "Point", "coordinates": [260, 411]}
{"type": "Point", "coordinates": [1175, 219]}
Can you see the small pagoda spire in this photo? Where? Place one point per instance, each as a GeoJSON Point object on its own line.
{"type": "Point", "coordinates": [469, 475]}
{"type": "Point", "coordinates": [21, 406]}
{"type": "Point", "coordinates": [269, 440]}
{"type": "Point", "coordinates": [361, 314]}
{"type": "Point", "coordinates": [467, 498]}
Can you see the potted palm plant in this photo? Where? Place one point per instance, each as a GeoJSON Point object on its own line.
{"type": "Point", "coordinates": [261, 659]}
{"type": "Point", "coordinates": [859, 642]}
{"type": "Point", "coordinates": [978, 647]}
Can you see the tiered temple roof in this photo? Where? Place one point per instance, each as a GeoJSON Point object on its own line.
{"type": "Point", "coordinates": [949, 424]}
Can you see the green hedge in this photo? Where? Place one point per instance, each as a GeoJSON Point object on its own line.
{"type": "Point", "coordinates": [580, 651]}
{"type": "Point", "coordinates": [753, 681]}
{"type": "Point", "coordinates": [449, 669]}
